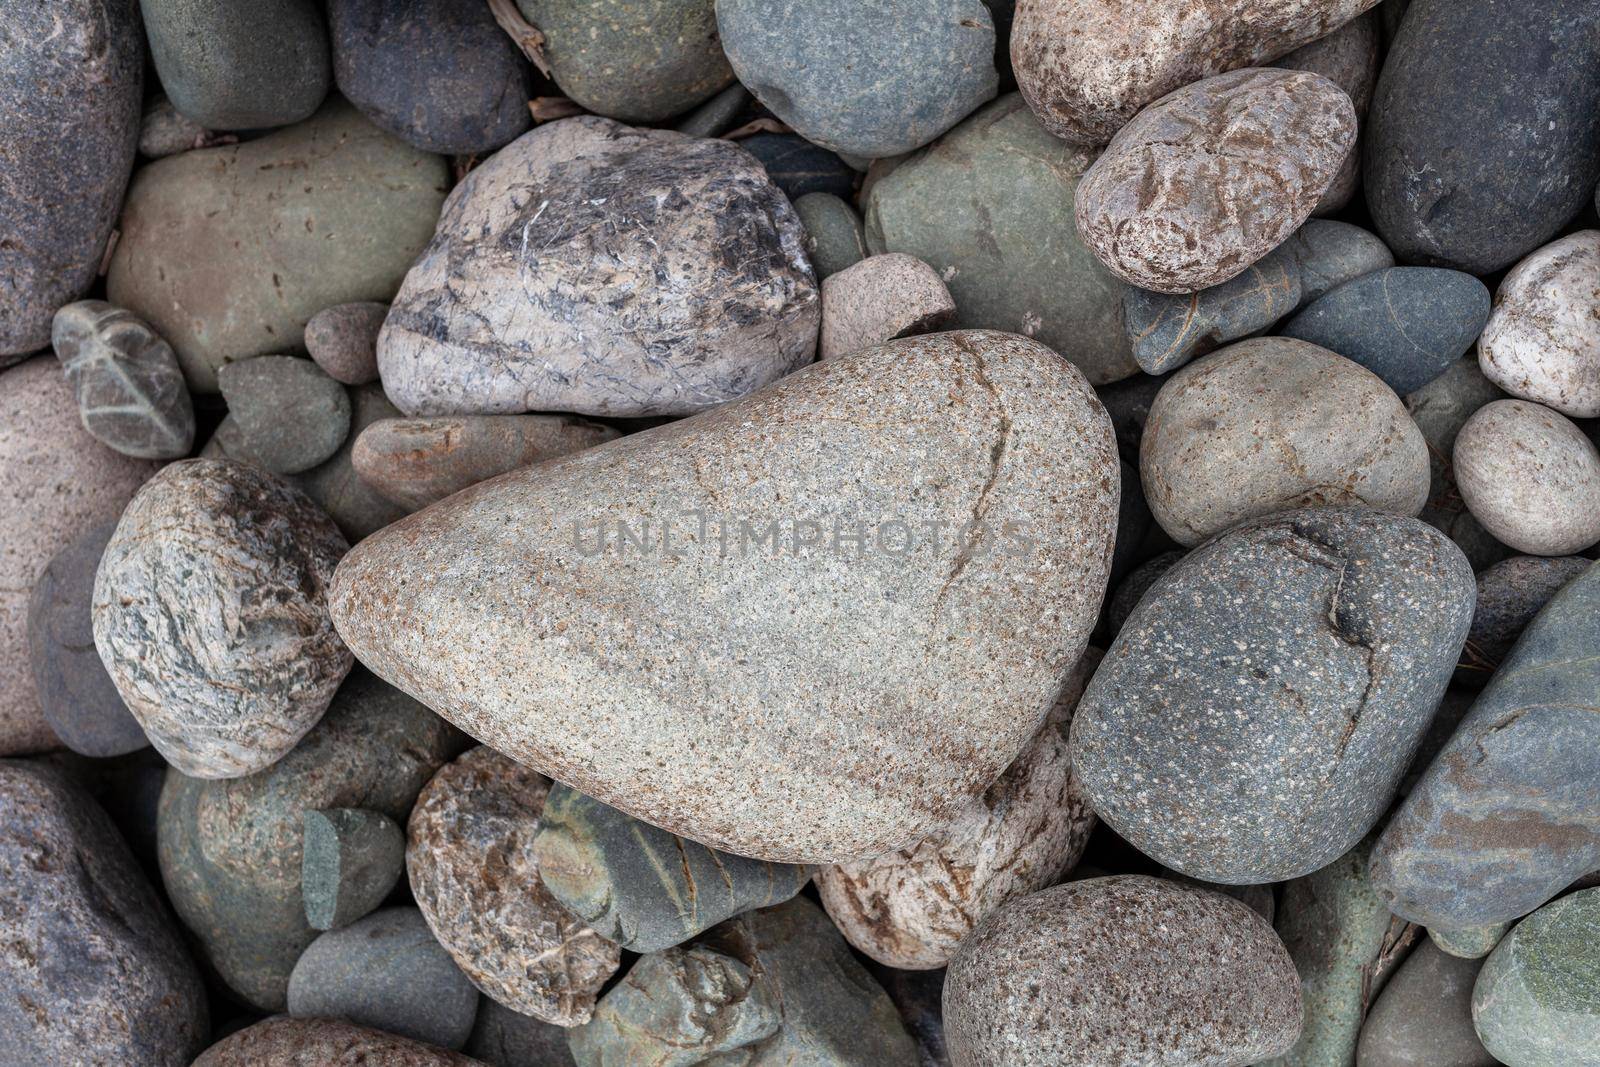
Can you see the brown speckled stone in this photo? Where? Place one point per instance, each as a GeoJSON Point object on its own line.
{"type": "Point", "coordinates": [343, 340]}
{"type": "Point", "coordinates": [284, 1042]}
{"type": "Point", "coordinates": [471, 861]}
{"type": "Point", "coordinates": [879, 299]}
{"type": "Point", "coordinates": [1531, 477]}
{"type": "Point", "coordinates": [1211, 178]}
{"type": "Point", "coordinates": [1121, 972]}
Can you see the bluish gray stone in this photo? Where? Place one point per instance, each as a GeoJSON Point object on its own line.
{"type": "Point", "coordinates": [1537, 999]}
{"type": "Point", "coordinates": [504, 1038]}
{"type": "Point", "coordinates": [352, 859]}
{"type": "Point", "coordinates": [1254, 715]}
{"type": "Point", "coordinates": [799, 167]}
{"type": "Point", "coordinates": [1169, 329]}
{"type": "Point", "coordinates": [716, 116]}
{"type": "Point", "coordinates": [1424, 1017]}
{"type": "Point", "coordinates": [1510, 594]}
{"type": "Point", "coordinates": [872, 79]}
{"type": "Point", "coordinates": [835, 238]}
{"type": "Point", "coordinates": [1332, 253]}
{"type": "Point", "coordinates": [1407, 325]}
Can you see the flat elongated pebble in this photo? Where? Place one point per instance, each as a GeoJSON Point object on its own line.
{"type": "Point", "coordinates": [835, 238]}
{"type": "Point", "coordinates": [551, 315]}
{"type": "Point", "coordinates": [1542, 342]}
{"type": "Point", "coordinates": [1206, 741]}
{"type": "Point", "coordinates": [1272, 424]}
{"type": "Point", "coordinates": [1348, 57]}
{"type": "Point", "coordinates": [1424, 1017]}
{"type": "Point", "coordinates": [913, 907]}
{"type": "Point", "coordinates": [414, 462]}
{"type": "Point", "coordinates": [1531, 477]}
{"type": "Point", "coordinates": [1209, 179]}
{"type": "Point", "coordinates": [504, 1038]}
{"type": "Point", "coordinates": [290, 414]}
{"type": "Point", "coordinates": [931, 427]}
{"type": "Point", "coordinates": [352, 858]}
{"type": "Point", "coordinates": [1510, 594]}
{"type": "Point", "coordinates": [717, 115]}
{"type": "Point", "coordinates": [130, 390]}
{"type": "Point", "coordinates": [1087, 67]}
{"type": "Point", "coordinates": [1407, 325]}
{"type": "Point", "coordinates": [1536, 1002]}
{"type": "Point", "coordinates": [473, 870]}
{"type": "Point", "coordinates": [1331, 253]}
{"type": "Point", "coordinates": [286, 1042]}
{"type": "Point", "coordinates": [879, 299]}
{"type": "Point", "coordinates": [798, 167]}
{"type": "Point", "coordinates": [1118, 972]}
{"type": "Point", "coordinates": [343, 340]}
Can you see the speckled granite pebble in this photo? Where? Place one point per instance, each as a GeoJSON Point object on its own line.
{"type": "Point", "coordinates": [879, 299]}
{"type": "Point", "coordinates": [352, 858]}
{"type": "Point", "coordinates": [1536, 1002]}
{"type": "Point", "coordinates": [343, 340]}
{"type": "Point", "coordinates": [1168, 330]}
{"type": "Point", "coordinates": [131, 394]}
{"type": "Point", "coordinates": [1531, 477]}
{"type": "Point", "coordinates": [1332, 253]}
{"type": "Point", "coordinates": [1510, 594]}
{"type": "Point", "coordinates": [1252, 719]}
{"type": "Point", "coordinates": [291, 416]}
{"type": "Point", "coordinates": [285, 1042]}
{"type": "Point", "coordinates": [835, 238]}
{"type": "Point", "coordinates": [1542, 342]}
{"type": "Point", "coordinates": [1424, 1017]}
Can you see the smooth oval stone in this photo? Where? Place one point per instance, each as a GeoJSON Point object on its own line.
{"type": "Point", "coordinates": [239, 66]}
{"type": "Point", "coordinates": [163, 131]}
{"type": "Point", "coordinates": [871, 494]}
{"type": "Point", "coordinates": [1530, 477]}
{"type": "Point", "coordinates": [290, 414]}
{"type": "Point", "coordinates": [285, 1042]}
{"type": "Point", "coordinates": [640, 886]}
{"type": "Point", "coordinates": [871, 80]}
{"type": "Point", "coordinates": [231, 851]}
{"type": "Point", "coordinates": [989, 206]}
{"type": "Point", "coordinates": [1407, 325]}
{"type": "Point", "coordinates": [352, 858]}
{"type": "Point", "coordinates": [1272, 424]}
{"type": "Point", "coordinates": [1468, 942]}
{"type": "Point", "coordinates": [879, 299]}
{"type": "Point", "coordinates": [835, 238]}
{"type": "Point", "coordinates": [1508, 813]}
{"type": "Point", "coordinates": [717, 115]}
{"type": "Point", "coordinates": [386, 971]}
{"type": "Point", "coordinates": [75, 693]}
{"type": "Point", "coordinates": [475, 875]}
{"type": "Point", "coordinates": [1117, 972]}
{"type": "Point", "coordinates": [1537, 999]}
{"type": "Point", "coordinates": [633, 60]}
{"type": "Point", "coordinates": [56, 484]}
{"type": "Point", "coordinates": [1256, 712]}
{"type": "Point", "coordinates": [1348, 57]}
{"type": "Point", "coordinates": [71, 82]}
{"type": "Point", "coordinates": [1424, 1017]}
{"type": "Point", "coordinates": [913, 907]}
{"type": "Point", "coordinates": [1332, 253]}
{"type": "Point", "coordinates": [552, 313]}
{"type": "Point", "coordinates": [414, 462]}
{"type": "Point", "coordinates": [1542, 342]}
{"type": "Point", "coordinates": [1440, 409]}
{"type": "Point", "coordinates": [131, 394]}
{"type": "Point", "coordinates": [799, 167]}
{"type": "Point", "coordinates": [1484, 136]}
{"type": "Point", "coordinates": [94, 969]}
{"type": "Point", "coordinates": [209, 237]}
{"type": "Point", "coordinates": [439, 74]}
{"type": "Point", "coordinates": [210, 614]}
{"type": "Point", "coordinates": [1209, 179]}
{"type": "Point", "coordinates": [504, 1038]}
{"type": "Point", "coordinates": [1510, 594]}
{"type": "Point", "coordinates": [343, 340]}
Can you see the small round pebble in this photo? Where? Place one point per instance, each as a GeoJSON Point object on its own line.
{"type": "Point", "coordinates": [1424, 1016]}
{"type": "Point", "coordinates": [835, 238]}
{"type": "Point", "coordinates": [343, 340]}
{"type": "Point", "coordinates": [879, 299]}
{"type": "Point", "coordinates": [1542, 342]}
{"type": "Point", "coordinates": [1537, 1000]}
{"type": "Point", "coordinates": [291, 415]}
{"type": "Point", "coordinates": [1135, 586]}
{"type": "Point", "coordinates": [1531, 477]}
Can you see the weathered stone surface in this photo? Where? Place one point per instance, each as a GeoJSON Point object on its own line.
{"type": "Point", "coordinates": [879, 299]}
{"type": "Point", "coordinates": [1537, 999]}
{"type": "Point", "coordinates": [343, 340]}
{"type": "Point", "coordinates": [1510, 594]}
{"type": "Point", "coordinates": [1424, 1017]}
{"type": "Point", "coordinates": [93, 967]}
{"type": "Point", "coordinates": [1530, 477]}
{"type": "Point", "coordinates": [542, 628]}
{"type": "Point", "coordinates": [641, 886]}
{"type": "Point", "coordinates": [231, 851]}
{"type": "Point", "coordinates": [835, 238]}
{"type": "Point", "coordinates": [163, 131]}
{"type": "Point", "coordinates": [71, 81]}
{"type": "Point", "coordinates": [1508, 813]}
{"type": "Point", "coordinates": [1332, 253]}
{"type": "Point", "coordinates": [1440, 409]}
{"type": "Point", "coordinates": [989, 206]}
{"type": "Point", "coordinates": [1211, 178]}
{"type": "Point", "coordinates": [386, 971]}
{"type": "Point", "coordinates": [1087, 68]}
{"type": "Point", "coordinates": [1407, 325]}
{"type": "Point", "coordinates": [239, 66]}
{"type": "Point", "coordinates": [1117, 972]}
{"type": "Point", "coordinates": [1168, 330]}
{"type": "Point", "coordinates": [1208, 743]}
{"type": "Point", "coordinates": [351, 859]}
{"type": "Point", "coordinates": [210, 614]}
{"type": "Point", "coordinates": [131, 394]}
{"type": "Point", "coordinates": [291, 416]}
{"type": "Point", "coordinates": [632, 60]}
{"type": "Point", "coordinates": [414, 462]}
{"type": "Point", "coordinates": [798, 167]}
{"type": "Point", "coordinates": [870, 80]}
{"type": "Point", "coordinates": [913, 907]}
{"type": "Point", "coordinates": [1474, 180]}
{"type": "Point", "coordinates": [439, 74]}
{"type": "Point", "coordinates": [285, 1042]}
{"type": "Point", "coordinates": [773, 987]}
{"type": "Point", "coordinates": [228, 252]}
{"type": "Point", "coordinates": [56, 484]}
{"type": "Point", "coordinates": [1542, 342]}
{"type": "Point", "coordinates": [631, 272]}
{"type": "Point", "coordinates": [1272, 424]}
{"type": "Point", "coordinates": [475, 875]}
{"type": "Point", "coordinates": [76, 695]}
{"type": "Point", "coordinates": [1348, 57]}
{"type": "Point", "coordinates": [504, 1038]}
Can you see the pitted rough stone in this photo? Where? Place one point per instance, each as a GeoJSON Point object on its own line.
{"type": "Point", "coordinates": [1531, 477]}
{"type": "Point", "coordinates": [879, 299]}
{"type": "Point", "coordinates": [285, 1042]}
{"type": "Point", "coordinates": [1206, 181]}
{"type": "Point", "coordinates": [131, 393]}
{"type": "Point", "coordinates": [1536, 1002]}
{"type": "Point", "coordinates": [1542, 342]}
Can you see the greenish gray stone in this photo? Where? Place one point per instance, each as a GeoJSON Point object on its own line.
{"type": "Point", "coordinates": [835, 237]}
{"type": "Point", "coordinates": [1167, 330]}
{"type": "Point", "coordinates": [1537, 1000]}
{"type": "Point", "coordinates": [290, 414]}
{"type": "Point", "coordinates": [1440, 409]}
{"type": "Point", "coordinates": [352, 859]}
{"type": "Point", "coordinates": [1332, 253]}
{"type": "Point", "coordinates": [989, 206]}
{"type": "Point", "coordinates": [716, 115]}
{"type": "Point", "coordinates": [640, 886]}
{"type": "Point", "coordinates": [1424, 1017]}
{"type": "Point", "coordinates": [1468, 942]}
{"type": "Point", "coordinates": [163, 131]}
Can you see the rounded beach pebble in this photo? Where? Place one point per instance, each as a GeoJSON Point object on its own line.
{"type": "Point", "coordinates": [291, 416]}
{"type": "Point", "coordinates": [879, 299]}
{"type": "Point", "coordinates": [1542, 342]}
{"type": "Point", "coordinates": [1537, 1000]}
{"type": "Point", "coordinates": [1530, 477]}
{"type": "Point", "coordinates": [131, 394]}
{"type": "Point", "coordinates": [343, 340]}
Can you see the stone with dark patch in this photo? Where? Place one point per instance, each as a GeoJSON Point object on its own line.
{"type": "Point", "coordinates": [1536, 1002]}
{"type": "Point", "coordinates": [130, 390]}
{"type": "Point", "coordinates": [353, 857]}
{"type": "Point", "coordinates": [799, 167]}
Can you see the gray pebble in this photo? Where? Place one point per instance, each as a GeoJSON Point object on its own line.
{"type": "Point", "coordinates": [504, 1038]}
{"type": "Point", "coordinates": [130, 391]}
{"type": "Point", "coordinates": [1468, 942]}
{"type": "Point", "coordinates": [1332, 253]}
{"type": "Point", "coordinates": [1510, 594]}
{"type": "Point", "coordinates": [1424, 1017]}
{"type": "Point", "coordinates": [290, 414]}
{"type": "Point", "coordinates": [1440, 409]}
{"type": "Point", "coordinates": [717, 115]}
{"type": "Point", "coordinates": [357, 508]}
{"type": "Point", "coordinates": [343, 340]}
{"type": "Point", "coordinates": [1348, 57]}
{"type": "Point", "coordinates": [164, 131]}
{"type": "Point", "coordinates": [352, 858]}
{"type": "Point", "coordinates": [1534, 1003]}
{"type": "Point", "coordinates": [835, 238]}
{"type": "Point", "coordinates": [1135, 585]}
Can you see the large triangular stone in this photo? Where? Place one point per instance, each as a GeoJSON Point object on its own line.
{"type": "Point", "coordinates": [618, 619]}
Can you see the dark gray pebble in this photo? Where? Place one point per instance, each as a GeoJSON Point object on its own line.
{"type": "Point", "coordinates": [1167, 330]}
{"type": "Point", "coordinates": [798, 167]}
{"type": "Point", "coordinates": [1332, 253]}
{"type": "Point", "coordinates": [290, 414]}
{"type": "Point", "coordinates": [352, 859]}
{"type": "Point", "coordinates": [1424, 1017]}
{"type": "Point", "coordinates": [505, 1038]}
{"type": "Point", "coordinates": [1510, 594]}
{"type": "Point", "coordinates": [1135, 585]}
{"type": "Point", "coordinates": [835, 238]}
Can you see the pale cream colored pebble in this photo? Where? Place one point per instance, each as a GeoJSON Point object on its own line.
{"type": "Point", "coordinates": [1530, 477]}
{"type": "Point", "coordinates": [879, 299]}
{"type": "Point", "coordinates": [1542, 342]}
